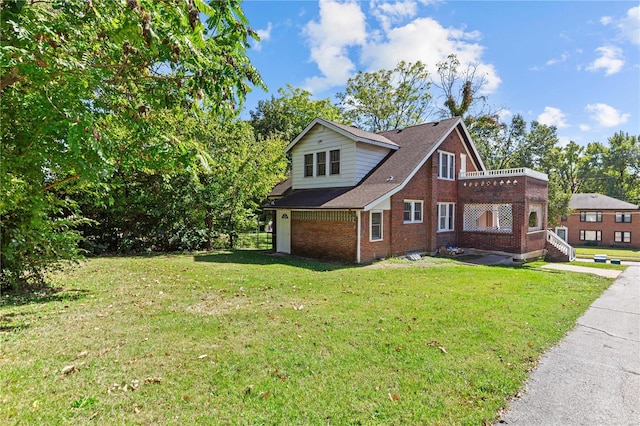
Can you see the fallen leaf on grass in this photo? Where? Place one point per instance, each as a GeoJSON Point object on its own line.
{"type": "Point", "coordinates": [150, 380]}
{"type": "Point", "coordinates": [298, 307]}
{"type": "Point", "coordinates": [265, 395]}
{"type": "Point", "coordinates": [82, 354]}
{"type": "Point", "coordinates": [69, 369]}
{"type": "Point", "coordinates": [203, 356]}
{"type": "Point", "coordinates": [436, 344]}
{"type": "Point", "coordinates": [394, 396]}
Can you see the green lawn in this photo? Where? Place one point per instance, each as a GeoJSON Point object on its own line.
{"type": "Point", "coordinates": [249, 338]}
{"type": "Point", "coordinates": [612, 252]}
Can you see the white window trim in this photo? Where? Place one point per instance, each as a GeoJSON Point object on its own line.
{"type": "Point", "coordinates": [413, 211]}
{"type": "Point", "coordinates": [316, 163]}
{"type": "Point", "coordinates": [371, 213]}
{"type": "Point", "coordinates": [538, 209]}
{"type": "Point", "coordinates": [451, 167]}
{"type": "Point", "coordinates": [450, 214]}
{"type": "Point", "coordinates": [463, 163]}
{"type": "Point", "coordinates": [329, 162]}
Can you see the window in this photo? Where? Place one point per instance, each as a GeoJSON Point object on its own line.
{"type": "Point", "coordinates": [590, 216]}
{"type": "Point", "coordinates": [446, 216]}
{"type": "Point", "coordinates": [622, 237]}
{"type": "Point", "coordinates": [412, 211]}
{"type": "Point", "coordinates": [623, 217]}
{"type": "Point", "coordinates": [487, 218]}
{"type": "Point", "coordinates": [535, 217]}
{"type": "Point", "coordinates": [447, 162]}
{"type": "Point", "coordinates": [321, 163]}
{"type": "Point", "coordinates": [308, 165]}
{"type": "Point", "coordinates": [463, 163]}
{"type": "Point", "coordinates": [376, 226]}
{"type": "Point", "coordinates": [590, 235]}
{"type": "Point", "coordinates": [334, 157]}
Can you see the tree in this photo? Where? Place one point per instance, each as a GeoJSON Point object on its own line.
{"type": "Point", "coordinates": [460, 88]}
{"type": "Point", "coordinates": [84, 88]}
{"type": "Point", "coordinates": [242, 172]}
{"type": "Point", "coordinates": [387, 99]}
{"type": "Point", "coordinates": [614, 170]}
{"type": "Point", "coordinates": [287, 115]}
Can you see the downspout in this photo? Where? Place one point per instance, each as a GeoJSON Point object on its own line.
{"type": "Point", "coordinates": [358, 236]}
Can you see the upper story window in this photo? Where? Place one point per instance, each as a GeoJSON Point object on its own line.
{"type": "Point", "coordinates": [446, 216]}
{"type": "Point", "coordinates": [412, 211]}
{"type": "Point", "coordinates": [623, 217]}
{"type": "Point", "coordinates": [308, 165]}
{"type": "Point", "coordinates": [321, 163]}
{"type": "Point", "coordinates": [590, 216]}
{"type": "Point", "coordinates": [334, 158]}
{"type": "Point", "coordinates": [447, 165]}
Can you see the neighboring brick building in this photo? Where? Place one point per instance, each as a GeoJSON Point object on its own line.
{"type": "Point", "coordinates": [600, 220]}
{"type": "Point", "coordinates": [357, 196]}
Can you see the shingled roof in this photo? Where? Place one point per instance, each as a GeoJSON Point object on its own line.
{"type": "Point", "coordinates": [416, 144]}
{"type": "Point", "coordinates": [598, 202]}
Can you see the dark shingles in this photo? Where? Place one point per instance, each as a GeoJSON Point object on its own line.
{"type": "Point", "coordinates": [599, 202]}
{"type": "Point", "coordinates": [415, 142]}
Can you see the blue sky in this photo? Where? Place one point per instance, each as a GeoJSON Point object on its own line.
{"type": "Point", "coordinates": [572, 64]}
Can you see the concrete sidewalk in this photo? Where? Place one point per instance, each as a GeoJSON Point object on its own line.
{"type": "Point", "coordinates": [592, 377]}
{"type": "Point", "coordinates": [609, 273]}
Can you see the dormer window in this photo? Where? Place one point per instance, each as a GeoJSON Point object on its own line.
{"type": "Point", "coordinates": [308, 165]}
{"type": "Point", "coordinates": [321, 163]}
{"type": "Point", "coordinates": [334, 157]}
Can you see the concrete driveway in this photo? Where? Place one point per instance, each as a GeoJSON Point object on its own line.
{"type": "Point", "coordinates": [592, 377]}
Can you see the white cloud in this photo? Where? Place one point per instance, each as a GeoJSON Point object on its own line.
{"type": "Point", "coordinates": [265, 35]}
{"type": "Point", "coordinates": [629, 26]}
{"type": "Point", "coordinates": [393, 13]}
{"type": "Point", "coordinates": [554, 61]}
{"type": "Point", "coordinates": [342, 28]}
{"type": "Point", "coordinates": [585, 127]}
{"type": "Point", "coordinates": [424, 39]}
{"type": "Point", "coordinates": [553, 117]}
{"type": "Point", "coordinates": [341, 25]}
{"type": "Point", "coordinates": [610, 60]}
{"type": "Point", "coordinates": [606, 20]}
{"type": "Point", "coordinates": [606, 115]}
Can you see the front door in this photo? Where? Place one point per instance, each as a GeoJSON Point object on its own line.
{"type": "Point", "coordinates": [283, 231]}
{"type": "Point", "coordinates": [561, 231]}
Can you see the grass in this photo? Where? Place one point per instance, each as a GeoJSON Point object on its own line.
{"type": "Point", "coordinates": [249, 338]}
{"type": "Point", "coordinates": [612, 252]}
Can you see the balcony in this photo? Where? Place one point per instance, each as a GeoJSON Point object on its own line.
{"type": "Point", "coordinates": [520, 171]}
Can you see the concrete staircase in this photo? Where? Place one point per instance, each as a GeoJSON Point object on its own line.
{"type": "Point", "coordinates": [558, 250]}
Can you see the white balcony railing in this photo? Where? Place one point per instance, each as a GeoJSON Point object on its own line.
{"type": "Point", "coordinates": [520, 171]}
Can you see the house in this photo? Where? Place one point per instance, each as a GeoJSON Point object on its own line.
{"type": "Point", "coordinates": [601, 220]}
{"type": "Point", "coordinates": [357, 196]}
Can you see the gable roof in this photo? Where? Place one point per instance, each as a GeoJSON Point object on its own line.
{"type": "Point", "coordinates": [599, 202]}
{"type": "Point", "coordinates": [415, 145]}
{"type": "Point", "coordinates": [353, 133]}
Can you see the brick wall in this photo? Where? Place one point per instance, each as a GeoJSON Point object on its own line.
{"type": "Point", "coordinates": [520, 192]}
{"type": "Point", "coordinates": [372, 250]}
{"type": "Point", "coordinates": [324, 239]}
{"type": "Point", "coordinates": [608, 227]}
